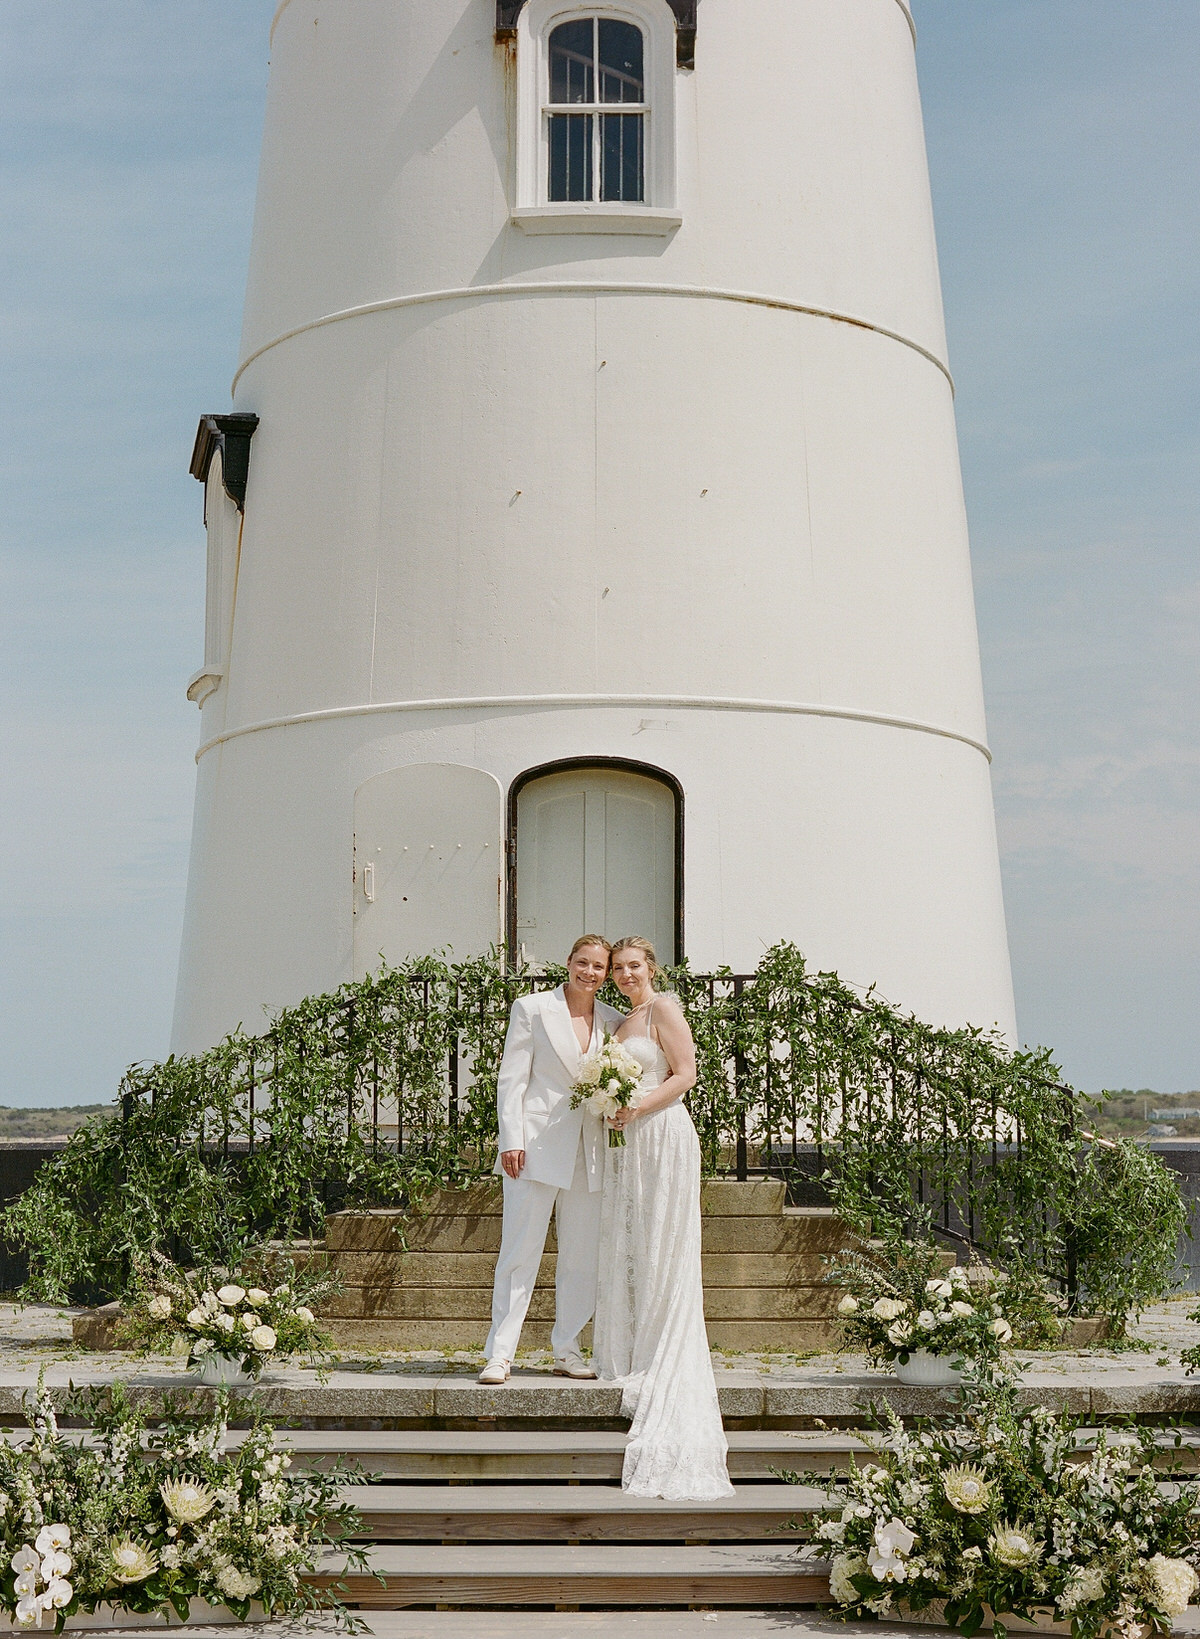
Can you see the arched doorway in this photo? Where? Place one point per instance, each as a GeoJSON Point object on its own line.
{"type": "Point", "coordinates": [595, 847]}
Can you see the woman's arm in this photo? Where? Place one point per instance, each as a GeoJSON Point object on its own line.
{"type": "Point", "coordinates": [679, 1050]}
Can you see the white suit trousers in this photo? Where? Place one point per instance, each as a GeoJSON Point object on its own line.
{"type": "Point", "coordinates": [527, 1209]}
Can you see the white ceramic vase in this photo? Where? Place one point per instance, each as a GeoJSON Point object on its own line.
{"type": "Point", "coordinates": [200, 1614]}
{"type": "Point", "coordinates": [928, 1370]}
{"type": "Point", "coordinates": [220, 1369]}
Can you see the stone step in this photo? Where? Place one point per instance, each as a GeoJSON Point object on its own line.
{"type": "Point", "coordinates": [738, 1336]}
{"type": "Point", "coordinates": [474, 1303]}
{"type": "Point", "coordinates": [425, 1268]}
{"type": "Point", "coordinates": [792, 1230]}
{"type": "Point", "coordinates": [699, 1623]}
{"type": "Point", "coordinates": [425, 1455]}
{"type": "Point", "coordinates": [516, 1574]}
{"type": "Point", "coordinates": [572, 1513]}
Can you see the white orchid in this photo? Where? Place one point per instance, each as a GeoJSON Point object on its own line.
{"type": "Point", "coordinates": [887, 1556]}
{"type": "Point", "coordinates": [51, 1538]}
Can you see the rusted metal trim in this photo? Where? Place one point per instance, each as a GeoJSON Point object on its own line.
{"type": "Point", "coordinates": [508, 11]}
{"type": "Point", "coordinates": [231, 434]}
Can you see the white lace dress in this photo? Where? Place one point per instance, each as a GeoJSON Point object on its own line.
{"type": "Point", "coordinates": [649, 1328]}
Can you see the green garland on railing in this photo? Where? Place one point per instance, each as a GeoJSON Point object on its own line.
{"type": "Point", "coordinates": [256, 1139]}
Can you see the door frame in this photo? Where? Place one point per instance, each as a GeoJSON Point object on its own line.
{"type": "Point", "coordinates": [572, 765]}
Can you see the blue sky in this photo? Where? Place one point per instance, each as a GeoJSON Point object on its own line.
{"type": "Point", "coordinates": [1064, 138]}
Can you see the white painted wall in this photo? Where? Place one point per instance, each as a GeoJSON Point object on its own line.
{"type": "Point", "coordinates": [655, 498]}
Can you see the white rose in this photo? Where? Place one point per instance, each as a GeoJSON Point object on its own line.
{"type": "Point", "coordinates": [848, 1305]}
{"type": "Point", "coordinates": [257, 1296]}
{"type": "Point", "coordinates": [263, 1338]}
{"type": "Point", "coordinates": [926, 1320]}
{"type": "Point", "coordinates": [589, 1076]}
{"type": "Point", "coordinates": [231, 1296]}
{"type": "Point", "coordinates": [961, 1309]}
{"type": "Point", "coordinates": [306, 1315]}
{"type": "Point", "coordinates": [248, 1320]}
{"type": "Point", "coordinates": [1002, 1329]}
{"type": "Point", "coordinates": [888, 1308]}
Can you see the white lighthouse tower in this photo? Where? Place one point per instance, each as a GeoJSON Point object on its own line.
{"type": "Point", "coordinates": [586, 542]}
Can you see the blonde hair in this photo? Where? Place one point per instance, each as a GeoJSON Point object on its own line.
{"type": "Point", "coordinates": [636, 942]}
{"type": "Point", "coordinates": [586, 939]}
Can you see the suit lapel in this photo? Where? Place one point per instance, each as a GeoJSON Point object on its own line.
{"type": "Point", "coordinates": [556, 1016]}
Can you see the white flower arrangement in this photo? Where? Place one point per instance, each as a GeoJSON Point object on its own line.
{"type": "Point", "coordinates": [1007, 1511]}
{"type": "Point", "coordinates": [147, 1520]}
{"type": "Point", "coordinates": [238, 1318]}
{"type": "Point", "coordinates": [608, 1082]}
{"type": "Point", "coordinates": [901, 1299]}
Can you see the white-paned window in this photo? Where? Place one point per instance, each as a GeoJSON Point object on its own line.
{"type": "Point", "coordinates": [596, 112]}
{"type": "Point", "coordinates": [596, 105]}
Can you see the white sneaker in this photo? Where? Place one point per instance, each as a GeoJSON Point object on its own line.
{"type": "Point", "coordinates": [572, 1364]}
{"type": "Point", "coordinates": [495, 1372]}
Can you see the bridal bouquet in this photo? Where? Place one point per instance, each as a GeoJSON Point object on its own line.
{"type": "Point", "coordinates": [1015, 1509]}
{"type": "Point", "coordinates": [608, 1082]}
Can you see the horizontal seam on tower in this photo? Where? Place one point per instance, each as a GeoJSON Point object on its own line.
{"type": "Point", "coordinates": [569, 287]}
{"type": "Point", "coordinates": [284, 4]}
{"type": "Point", "coordinates": [658, 701]}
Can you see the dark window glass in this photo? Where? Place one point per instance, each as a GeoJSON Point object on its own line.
{"type": "Point", "coordinates": [622, 163]}
{"type": "Point", "coordinates": [570, 156]}
{"type": "Point", "coordinates": [621, 75]}
{"type": "Point", "coordinates": [572, 55]}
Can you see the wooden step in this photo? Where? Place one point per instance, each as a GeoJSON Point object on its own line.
{"type": "Point", "coordinates": [424, 1455]}
{"type": "Point", "coordinates": [516, 1574]}
{"type": "Point", "coordinates": [572, 1513]}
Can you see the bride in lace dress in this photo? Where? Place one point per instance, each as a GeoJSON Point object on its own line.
{"type": "Point", "coordinates": [649, 1328]}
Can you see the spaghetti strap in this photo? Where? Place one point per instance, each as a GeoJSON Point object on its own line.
{"type": "Point", "coordinates": [649, 1016]}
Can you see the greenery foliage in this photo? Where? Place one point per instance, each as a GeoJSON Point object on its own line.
{"type": "Point", "coordinates": [1003, 1510]}
{"type": "Point", "coordinates": [147, 1519]}
{"type": "Point", "coordinates": [385, 1090]}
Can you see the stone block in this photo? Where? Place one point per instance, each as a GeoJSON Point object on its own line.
{"type": "Point", "coordinates": [726, 1197]}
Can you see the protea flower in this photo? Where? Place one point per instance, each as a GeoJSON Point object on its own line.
{"type": "Point", "coordinates": [187, 1500]}
{"type": "Point", "coordinates": [1014, 1546]}
{"type": "Point", "coordinates": [967, 1491]}
{"type": "Point", "coordinates": [131, 1561]}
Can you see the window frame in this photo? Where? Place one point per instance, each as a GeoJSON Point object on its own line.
{"type": "Point", "coordinates": [534, 211]}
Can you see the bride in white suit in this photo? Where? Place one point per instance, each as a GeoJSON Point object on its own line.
{"type": "Point", "coordinates": [551, 1159]}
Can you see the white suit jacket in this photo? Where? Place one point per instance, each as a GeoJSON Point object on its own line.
{"type": "Point", "coordinates": [541, 1064]}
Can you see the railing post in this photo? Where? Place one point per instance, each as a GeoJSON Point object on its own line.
{"type": "Point", "coordinates": [739, 1084]}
